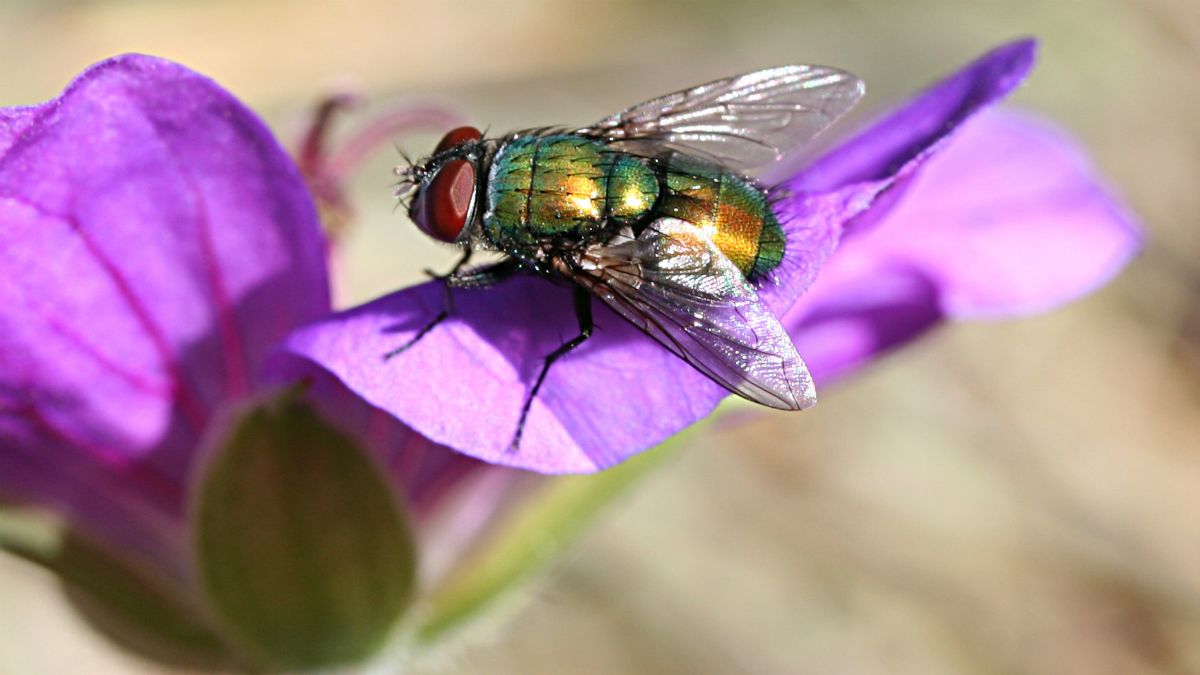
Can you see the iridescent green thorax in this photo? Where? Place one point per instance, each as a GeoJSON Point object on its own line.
{"type": "Point", "coordinates": [545, 189]}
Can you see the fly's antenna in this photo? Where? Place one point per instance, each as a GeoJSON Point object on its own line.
{"type": "Point", "coordinates": [408, 176]}
{"type": "Point", "coordinates": [404, 155]}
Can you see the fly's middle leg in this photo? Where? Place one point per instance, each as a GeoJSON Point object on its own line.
{"type": "Point", "coordinates": [583, 314]}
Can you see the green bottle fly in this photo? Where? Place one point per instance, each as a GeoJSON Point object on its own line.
{"type": "Point", "coordinates": [650, 210]}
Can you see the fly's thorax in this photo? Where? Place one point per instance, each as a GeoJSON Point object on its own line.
{"type": "Point", "coordinates": [729, 208]}
{"type": "Point", "coordinates": [564, 187]}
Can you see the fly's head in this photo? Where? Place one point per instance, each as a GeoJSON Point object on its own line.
{"type": "Point", "coordinates": [442, 191]}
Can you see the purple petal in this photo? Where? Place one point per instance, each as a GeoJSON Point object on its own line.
{"type": "Point", "coordinates": [130, 508]}
{"type": "Point", "coordinates": [858, 310]}
{"type": "Point", "coordinates": [1010, 218]}
{"type": "Point", "coordinates": [424, 471]}
{"type": "Point", "coordinates": [856, 183]}
{"type": "Point", "coordinates": [464, 383]}
{"type": "Point", "coordinates": [157, 242]}
{"type": "Point", "coordinates": [896, 144]}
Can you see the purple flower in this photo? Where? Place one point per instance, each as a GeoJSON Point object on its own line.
{"type": "Point", "coordinates": [158, 247]}
{"type": "Point", "coordinates": [940, 219]}
{"type": "Point", "coordinates": [156, 243]}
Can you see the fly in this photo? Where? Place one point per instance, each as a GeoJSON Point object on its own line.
{"type": "Point", "coordinates": [652, 210]}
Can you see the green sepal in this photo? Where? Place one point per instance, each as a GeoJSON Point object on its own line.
{"type": "Point", "coordinates": [127, 604]}
{"type": "Point", "coordinates": [301, 546]}
{"type": "Point", "coordinates": [537, 532]}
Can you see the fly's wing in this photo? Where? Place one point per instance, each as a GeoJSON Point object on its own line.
{"type": "Point", "coordinates": [677, 286]}
{"type": "Point", "coordinates": [742, 122]}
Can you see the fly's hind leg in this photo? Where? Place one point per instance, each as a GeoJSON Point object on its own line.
{"type": "Point", "coordinates": [583, 313]}
{"type": "Point", "coordinates": [472, 279]}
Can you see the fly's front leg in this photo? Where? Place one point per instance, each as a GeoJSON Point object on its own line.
{"type": "Point", "coordinates": [583, 313]}
{"type": "Point", "coordinates": [487, 276]}
{"type": "Point", "coordinates": [448, 284]}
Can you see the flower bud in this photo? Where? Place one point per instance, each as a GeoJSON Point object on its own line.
{"type": "Point", "coordinates": [301, 547]}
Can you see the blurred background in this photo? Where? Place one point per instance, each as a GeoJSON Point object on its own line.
{"type": "Point", "coordinates": [1019, 497]}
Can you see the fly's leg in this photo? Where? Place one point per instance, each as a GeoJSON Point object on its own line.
{"type": "Point", "coordinates": [447, 307]}
{"type": "Point", "coordinates": [583, 313]}
{"type": "Point", "coordinates": [474, 279]}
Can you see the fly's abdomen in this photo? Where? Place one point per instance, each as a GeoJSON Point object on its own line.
{"type": "Point", "coordinates": [733, 211]}
{"type": "Point", "coordinates": [544, 188]}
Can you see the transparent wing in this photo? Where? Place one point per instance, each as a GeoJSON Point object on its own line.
{"type": "Point", "coordinates": [677, 286]}
{"type": "Point", "coordinates": [742, 122]}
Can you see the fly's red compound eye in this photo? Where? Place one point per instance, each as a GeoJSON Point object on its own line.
{"type": "Point", "coordinates": [442, 208]}
{"type": "Point", "coordinates": [456, 137]}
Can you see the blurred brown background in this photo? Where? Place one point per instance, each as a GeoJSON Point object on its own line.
{"type": "Point", "coordinates": [1021, 497]}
